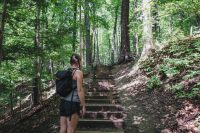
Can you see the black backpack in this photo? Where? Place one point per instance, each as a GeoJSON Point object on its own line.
{"type": "Point", "coordinates": [64, 82]}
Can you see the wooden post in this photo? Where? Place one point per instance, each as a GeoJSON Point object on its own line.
{"type": "Point", "coordinates": [20, 105]}
{"type": "Point", "coordinates": [11, 104]}
{"type": "Point", "coordinates": [4, 113]}
{"type": "Point", "coordinates": [191, 30]}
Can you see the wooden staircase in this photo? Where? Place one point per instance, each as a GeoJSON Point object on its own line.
{"type": "Point", "coordinates": [104, 112]}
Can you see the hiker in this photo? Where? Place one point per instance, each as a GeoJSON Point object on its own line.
{"type": "Point", "coordinates": [72, 107]}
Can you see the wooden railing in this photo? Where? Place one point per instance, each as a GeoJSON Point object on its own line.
{"type": "Point", "coordinates": [20, 107]}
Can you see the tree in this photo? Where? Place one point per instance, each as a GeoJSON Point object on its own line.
{"type": "Point", "coordinates": [147, 28]}
{"type": "Point", "coordinates": [87, 35]}
{"type": "Point", "coordinates": [2, 24]}
{"type": "Point", "coordinates": [38, 47]}
{"type": "Point", "coordinates": [81, 32]}
{"type": "Point", "coordinates": [125, 41]}
{"type": "Point", "coordinates": [156, 28]}
{"type": "Point", "coordinates": [97, 46]}
{"type": "Point", "coordinates": [75, 25]}
{"type": "Point", "coordinates": [135, 18]}
{"type": "Point", "coordinates": [114, 41]}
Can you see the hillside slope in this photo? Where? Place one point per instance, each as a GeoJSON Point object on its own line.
{"type": "Point", "coordinates": [162, 93]}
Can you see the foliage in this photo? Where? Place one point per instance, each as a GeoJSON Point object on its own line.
{"type": "Point", "coordinates": [175, 65]}
{"type": "Point", "coordinates": [153, 83]}
{"type": "Point", "coordinates": [56, 34]}
{"type": "Point", "coordinates": [174, 19]}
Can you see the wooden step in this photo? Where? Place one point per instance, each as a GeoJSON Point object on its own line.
{"type": "Point", "coordinates": [100, 131]}
{"type": "Point", "coordinates": [104, 115]}
{"type": "Point", "coordinates": [103, 77]}
{"type": "Point", "coordinates": [103, 101]}
{"type": "Point", "coordinates": [104, 107]}
{"type": "Point", "coordinates": [102, 83]}
{"type": "Point", "coordinates": [101, 97]}
{"type": "Point", "coordinates": [88, 123]}
{"type": "Point", "coordinates": [97, 97]}
{"type": "Point", "coordinates": [99, 88]}
{"type": "Point", "coordinates": [101, 93]}
{"type": "Point", "coordinates": [98, 101]}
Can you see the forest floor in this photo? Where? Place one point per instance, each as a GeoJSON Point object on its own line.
{"type": "Point", "coordinates": [159, 109]}
{"type": "Point", "coordinates": [155, 111]}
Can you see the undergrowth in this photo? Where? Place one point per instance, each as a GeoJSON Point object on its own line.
{"type": "Point", "coordinates": [177, 65]}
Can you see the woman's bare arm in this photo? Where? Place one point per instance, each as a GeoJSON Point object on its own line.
{"type": "Point", "coordinates": [79, 78]}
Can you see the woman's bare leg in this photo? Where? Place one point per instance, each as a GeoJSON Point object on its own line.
{"type": "Point", "coordinates": [63, 124]}
{"type": "Point", "coordinates": [71, 125]}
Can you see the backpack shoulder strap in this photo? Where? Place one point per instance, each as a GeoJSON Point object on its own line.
{"type": "Point", "coordinates": [73, 71]}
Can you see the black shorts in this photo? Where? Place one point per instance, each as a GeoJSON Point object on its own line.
{"type": "Point", "coordinates": [68, 108]}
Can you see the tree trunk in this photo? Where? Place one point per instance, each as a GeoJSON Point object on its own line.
{"type": "Point", "coordinates": [81, 34]}
{"type": "Point", "coordinates": [114, 45]}
{"type": "Point", "coordinates": [75, 26]}
{"type": "Point", "coordinates": [3, 19]}
{"type": "Point", "coordinates": [37, 79]}
{"type": "Point", "coordinates": [93, 32]}
{"type": "Point", "coordinates": [111, 50]}
{"type": "Point", "coordinates": [135, 18]}
{"type": "Point", "coordinates": [50, 67]}
{"type": "Point", "coordinates": [94, 44]}
{"type": "Point", "coordinates": [171, 25]}
{"type": "Point", "coordinates": [97, 45]}
{"type": "Point", "coordinates": [118, 41]}
{"type": "Point", "coordinates": [156, 27]}
{"type": "Point", "coordinates": [147, 28]}
{"type": "Point", "coordinates": [136, 45]}
{"type": "Point", "coordinates": [125, 41]}
{"type": "Point", "coordinates": [87, 36]}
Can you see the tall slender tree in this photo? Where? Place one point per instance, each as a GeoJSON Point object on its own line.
{"type": "Point", "coordinates": [135, 37]}
{"type": "Point", "coordinates": [156, 27]}
{"type": "Point", "coordinates": [114, 41]}
{"type": "Point", "coordinates": [81, 32]}
{"type": "Point", "coordinates": [38, 50]}
{"type": "Point", "coordinates": [97, 46]}
{"type": "Point", "coordinates": [147, 27]}
{"type": "Point", "coordinates": [75, 25]}
{"type": "Point", "coordinates": [2, 24]}
{"type": "Point", "coordinates": [125, 41]}
{"type": "Point", "coordinates": [87, 35]}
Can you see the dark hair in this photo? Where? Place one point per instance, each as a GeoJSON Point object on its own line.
{"type": "Point", "coordinates": [75, 59]}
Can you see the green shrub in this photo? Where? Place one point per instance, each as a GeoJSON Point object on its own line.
{"type": "Point", "coordinates": [179, 91]}
{"type": "Point", "coordinates": [177, 87]}
{"type": "Point", "coordinates": [191, 74]}
{"type": "Point", "coordinates": [153, 83]}
{"type": "Point", "coordinates": [179, 64]}
{"type": "Point", "coordinates": [168, 70]}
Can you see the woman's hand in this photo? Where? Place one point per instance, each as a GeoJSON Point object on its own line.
{"type": "Point", "coordinates": [83, 111]}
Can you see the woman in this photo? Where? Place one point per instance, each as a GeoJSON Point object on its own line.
{"type": "Point", "coordinates": [73, 106]}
